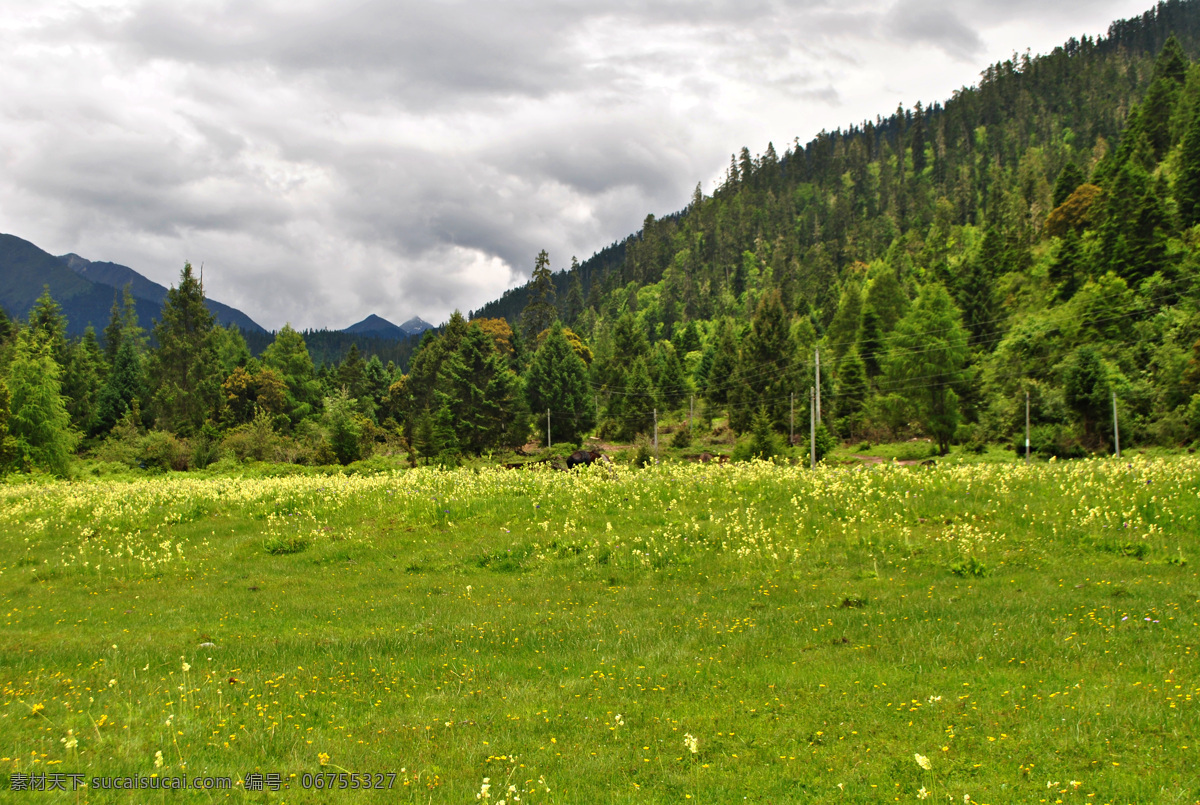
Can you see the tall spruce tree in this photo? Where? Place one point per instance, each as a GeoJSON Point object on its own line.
{"type": "Point", "coordinates": [928, 354]}
{"type": "Point", "coordinates": [38, 418]}
{"type": "Point", "coordinates": [557, 381]}
{"type": "Point", "coordinates": [124, 388]}
{"type": "Point", "coordinates": [84, 380]}
{"type": "Point", "coordinates": [765, 376]}
{"type": "Point", "coordinates": [541, 310]}
{"type": "Point", "coordinates": [184, 371]}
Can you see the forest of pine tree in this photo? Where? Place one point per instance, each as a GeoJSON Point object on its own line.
{"type": "Point", "coordinates": [1035, 237]}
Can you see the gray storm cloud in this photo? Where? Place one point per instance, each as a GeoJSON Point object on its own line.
{"type": "Point", "coordinates": [329, 160]}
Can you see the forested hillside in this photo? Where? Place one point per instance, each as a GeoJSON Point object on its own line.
{"type": "Point", "coordinates": [1054, 204]}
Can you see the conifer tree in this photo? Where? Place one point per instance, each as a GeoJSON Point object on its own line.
{"type": "Point", "coordinates": [541, 311]}
{"type": "Point", "coordinates": [557, 381]}
{"type": "Point", "coordinates": [1067, 268]}
{"type": "Point", "coordinates": [124, 388]}
{"type": "Point", "coordinates": [288, 355]}
{"type": "Point", "coordinates": [724, 364]}
{"type": "Point", "coordinates": [764, 376]}
{"type": "Point", "coordinates": [184, 372]}
{"type": "Point", "coordinates": [481, 392]}
{"type": "Point", "coordinates": [631, 408]}
{"type": "Point", "coordinates": [84, 380]}
{"type": "Point", "coordinates": [38, 418]}
{"type": "Point", "coordinates": [575, 302]}
{"type": "Point", "coordinates": [928, 354]}
{"type": "Point", "coordinates": [1187, 183]}
{"type": "Point", "coordinates": [1069, 180]}
{"type": "Point", "coordinates": [1087, 389]}
{"type": "Point", "coordinates": [9, 449]}
{"type": "Point", "coordinates": [122, 324]}
{"type": "Point", "coordinates": [47, 321]}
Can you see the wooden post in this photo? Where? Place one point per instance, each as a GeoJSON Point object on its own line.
{"type": "Point", "coordinates": [549, 443]}
{"type": "Point", "coordinates": [691, 411]}
{"type": "Point", "coordinates": [655, 435]}
{"type": "Point", "coordinates": [812, 429]}
{"type": "Point", "coordinates": [818, 382]}
{"type": "Point", "coordinates": [1027, 427]}
{"type": "Point", "coordinates": [792, 420]}
{"type": "Point", "coordinates": [1116, 427]}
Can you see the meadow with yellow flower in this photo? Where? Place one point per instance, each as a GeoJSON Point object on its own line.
{"type": "Point", "coordinates": [673, 634]}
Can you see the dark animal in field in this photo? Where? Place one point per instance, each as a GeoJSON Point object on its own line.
{"type": "Point", "coordinates": [704, 458]}
{"type": "Point", "coordinates": [584, 457]}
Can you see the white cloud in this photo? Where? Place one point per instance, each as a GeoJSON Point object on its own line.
{"type": "Point", "coordinates": [326, 161]}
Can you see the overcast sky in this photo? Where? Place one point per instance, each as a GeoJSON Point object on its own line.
{"type": "Point", "coordinates": [327, 160]}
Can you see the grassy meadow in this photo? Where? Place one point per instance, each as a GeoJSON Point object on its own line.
{"type": "Point", "coordinates": [983, 632]}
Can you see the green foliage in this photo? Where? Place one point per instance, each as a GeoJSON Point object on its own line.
{"type": "Point", "coordinates": [763, 443]}
{"type": "Point", "coordinates": [1087, 390]}
{"type": "Point", "coordinates": [541, 311]}
{"type": "Point", "coordinates": [345, 427]}
{"type": "Point", "coordinates": [38, 420]}
{"type": "Point", "coordinates": [184, 371]}
{"type": "Point", "coordinates": [929, 352]}
{"type": "Point", "coordinates": [557, 381]}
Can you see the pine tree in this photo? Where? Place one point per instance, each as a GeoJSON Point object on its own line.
{"type": "Point", "coordinates": [84, 380]}
{"type": "Point", "coordinates": [288, 355]}
{"type": "Point", "coordinates": [541, 311]}
{"type": "Point", "coordinates": [852, 389]}
{"type": "Point", "coordinates": [928, 354]}
{"type": "Point", "coordinates": [724, 364]}
{"type": "Point", "coordinates": [38, 418]}
{"type": "Point", "coordinates": [350, 373]}
{"type": "Point", "coordinates": [575, 302]}
{"type": "Point", "coordinates": [185, 374]}
{"type": "Point", "coordinates": [481, 392]}
{"type": "Point", "coordinates": [557, 381]}
{"type": "Point", "coordinates": [9, 449]}
{"type": "Point", "coordinates": [123, 324]}
{"type": "Point", "coordinates": [843, 330]}
{"type": "Point", "coordinates": [1187, 183]}
{"type": "Point", "coordinates": [1069, 180]}
{"type": "Point", "coordinates": [125, 387]}
{"type": "Point", "coordinates": [631, 408]}
{"type": "Point", "coordinates": [670, 380]}
{"type": "Point", "coordinates": [764, 376]}
{"type": "Point", "coordinates": [1087, 389]}
{"type": "Point", "coordinates": [1067, 268]}
{"type": "Point", "coordinates": [47, 321]}
{"type": "Point", "coordinates": [345, 430]}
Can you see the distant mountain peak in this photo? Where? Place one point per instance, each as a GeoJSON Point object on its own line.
{"type": "Point", "coordinates": [379, 327]}
{"type": "Point", "coordinates": [416, 325]}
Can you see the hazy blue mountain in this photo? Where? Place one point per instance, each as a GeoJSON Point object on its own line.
{"type": "Point", "coordinates": [85, 289]}
{"type": "Point", "coordinates": [116, 276]}
{"type": "Point", "coordinates": [375, 326]}
{"type": "Point", "coordinates": [379, 327]}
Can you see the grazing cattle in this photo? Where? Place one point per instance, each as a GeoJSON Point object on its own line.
{"type": "Point", "coordinates": [584, 457]}
{"type": "Point", "coordinates": [704, 458]}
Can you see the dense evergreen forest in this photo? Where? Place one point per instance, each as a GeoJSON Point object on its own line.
{"type": "Point", "coordinates": [1033, 240]}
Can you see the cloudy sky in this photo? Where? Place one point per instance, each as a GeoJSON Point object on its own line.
{"type": "Point", "coordinates": [327, 160]}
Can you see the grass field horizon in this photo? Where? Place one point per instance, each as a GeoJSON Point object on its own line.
{"type": "Point", "coordinates": [682, 633]}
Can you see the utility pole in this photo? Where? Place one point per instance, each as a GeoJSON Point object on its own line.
{"type": "Point", "coordinates": [812, 429]}
{"type": "Point", "coordinates": [792, 421]}
{"type": "Point", "coordinates": [1027, 427]}
{"type": "Point", "coordinates": [691, 410]}
{"type": "Point", "coordinates": [818, 382]}
{"type": "Point", "coordinates": [1116, 427]}
{"type": "Point", "coordinates": [548, 442]}
{"type": "Point", "coordinates": [655, 435]}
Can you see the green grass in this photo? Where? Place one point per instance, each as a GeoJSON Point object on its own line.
{"type": "Point", "coordinates": [811, 631]}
